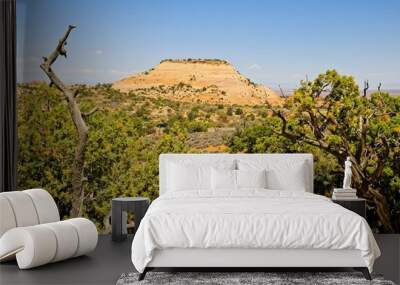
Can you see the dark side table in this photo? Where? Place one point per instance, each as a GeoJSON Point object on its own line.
{"type": "Point", "coordinates": [357, 205]}
{"type": "Point", "coordinates": [119, 208]}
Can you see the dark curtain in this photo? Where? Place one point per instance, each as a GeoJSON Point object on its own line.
{"type": "Point", "coordinates": [8, 124]}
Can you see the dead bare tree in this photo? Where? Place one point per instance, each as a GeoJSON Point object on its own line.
{"type": "Point", "coordinates": [77, 118]}
{"type": "Point", "coordinates": [366, 87]}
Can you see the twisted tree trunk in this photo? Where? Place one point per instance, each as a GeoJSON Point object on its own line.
{"type": "Point", "coordinates": [79, 123]}
{"type": "Point", "coordinates": [382, 208]}
{"type": "Point", "coordinates": [375, 197]}
{"type": "Point", "coordinates": [361, 178]}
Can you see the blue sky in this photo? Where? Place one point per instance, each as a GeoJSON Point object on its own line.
{"type": "Point", "coordinates": [271, 42]}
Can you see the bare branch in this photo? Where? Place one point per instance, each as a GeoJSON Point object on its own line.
{"type": "Point", "coordinates": [338, 152]}
{"type": "Point", "coordinates": [362, 150]}
{"type": "Point", "coordinates": [321, 90]}
{"type": "Point", "coordinates": [60, 49]}
{"type": "Point", "coordinates": [314, 125]}
{"type": "Point", "coordinates": [366, 87]}
{"type": "Point", "coordinates": [52, 57]}
{"type": "Point", "coordinates": [381, 161]}
{"type": "Point", "coordinates": [91, 112]}
{"type": "Point", "coordinates": [374, 114]}
{"type": "Point", "coordinates": [281, 90]}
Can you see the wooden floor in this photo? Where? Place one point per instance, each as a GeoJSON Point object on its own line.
{"type": "Point", "coordinates": [111, 259]}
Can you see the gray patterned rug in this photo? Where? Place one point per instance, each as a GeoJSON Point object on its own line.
{"type": "Point", "coordinates": [269, 278]}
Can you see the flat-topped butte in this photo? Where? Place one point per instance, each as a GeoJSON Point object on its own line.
{"type": "Point", "coordinates": [212, 81]}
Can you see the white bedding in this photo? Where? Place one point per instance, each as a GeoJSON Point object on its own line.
{"type": "Point", "coordinates": [251, 218]}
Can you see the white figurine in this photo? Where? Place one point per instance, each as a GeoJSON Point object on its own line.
{"type": "Point", "coordinates": [347, 174]}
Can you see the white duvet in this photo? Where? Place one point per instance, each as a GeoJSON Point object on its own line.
{"type": "Point", "coordinates": [250, 219]}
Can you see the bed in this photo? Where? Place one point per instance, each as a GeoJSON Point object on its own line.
{"type": "Point", "coordinates": [245, 211]}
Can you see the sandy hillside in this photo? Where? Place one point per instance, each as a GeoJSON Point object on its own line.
{"type": "Point", "coordinates": [209, 81]}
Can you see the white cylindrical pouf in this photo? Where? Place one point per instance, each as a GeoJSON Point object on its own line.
{"type": "Point", "coordinates": [23, 208]}
{"type": "Point", "coordinates": [7, 218]}
{"type": "Point", "coordinates": [87, 234]}
{"type": "Point", "coordinates": [33, 246]}
{"type": "Point", "coordinates": [45, 206]}
{"type": "Point", "coordinates": [67, 239]}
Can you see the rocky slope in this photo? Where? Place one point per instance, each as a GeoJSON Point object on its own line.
{"type": "Point", "coordinates": [203, 80]}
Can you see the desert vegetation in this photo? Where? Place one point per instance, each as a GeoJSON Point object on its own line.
{"type": "Point", "coordinates": [127, 133]}
{"type": "Point", "coordinates": [328, 117]}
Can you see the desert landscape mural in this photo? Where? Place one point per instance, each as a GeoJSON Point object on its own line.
{"type": "Point", "coordinates": [171, 102]}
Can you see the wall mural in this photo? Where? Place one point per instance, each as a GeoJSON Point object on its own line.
{"type": "Point", "coordinates": [98, 103]}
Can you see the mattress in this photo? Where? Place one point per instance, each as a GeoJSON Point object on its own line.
{"type": "Point", "coordinates": [250, 219]}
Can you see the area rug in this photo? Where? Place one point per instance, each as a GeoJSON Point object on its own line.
{"type": "Point", "coordinates": [244, 278]}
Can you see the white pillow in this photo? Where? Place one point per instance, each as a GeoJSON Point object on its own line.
{"type": "Point", "coordinates": [282, 174]}
{"type": "Point", "coordinates": [191, 174]}
{"type": "Point", "coordinates": [188, 177]}
{"type": "Point", "coordinates": [227, 179]}
{"type": "Point", "coordinates": [251, 178]}
{"type": "Point", "coordinates": [223, 179]}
